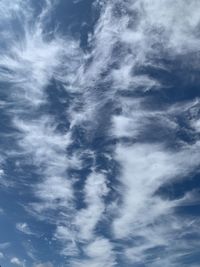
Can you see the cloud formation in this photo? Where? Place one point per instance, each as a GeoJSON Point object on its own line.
{"type": "Point", "coordinates": [17, 261]}
{"type": "Point", "coordinates": [109, 92]}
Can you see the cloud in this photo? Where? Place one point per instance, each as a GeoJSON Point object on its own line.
{"type": "Point", "coordinates": [141, 34]}
{"type": "Point", "coordinates": [1, 255]}
{"type": "Point", "coordinates": [143, 214]}
{"type": "Point", "coordinates": [99, 252]}
{"type": "Point", "coordinates": [46, 147]}
{"type": "Point", "coordinates": [17, 261]}
{"type": "Point", "coordinates": [28, 64]}
{"type": "Point", "coordinates": [47, 264]}
{"type": "Point", "coordinates": [4, 245]}
{"type": "Point", "coordinates": [3, 181]}
{"type": "Point", "coordinates": [86, 219]}
{"type": "Point", "coordinates": [152, 29]}
{"type": "Point", "coordinates": [30, 72]}
{"type": "Point", "coordinates": [144, 169]}
{"type": "Point", "coordinates": [82, 224]}
{"type": "Point", "coordinates": [128, 38]}
{"type": "Point", "coordinates": [24, 228]}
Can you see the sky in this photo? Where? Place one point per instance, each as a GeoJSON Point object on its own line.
{"type": "Point", "coordinates": [99, 133]}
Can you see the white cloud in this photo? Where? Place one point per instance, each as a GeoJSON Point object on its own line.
{"type": "Point", "coordinates": [86, 219]}
{"type": "Point", "coordinates": [47, 147]}
{"type": "Point", "coordinates": [153, 28]}
{"type": "Point", "coordinates": [146, 30]}
{"type": "Point", "coordinates": [80, 226]}
{"type": "Point", "coordinates": [143, 214]}
{"type": "Point", "coordinates": [31, 61]}
{"type": "Point", "coordinates": [1, 255]}
{"type": "Point", "coordinates": [99, 252]}
{"type": "Point", "coordinates": [28, 63]}
{"type": "Point", "coordinates": [24, 228]}
{"type": "Point", "coordinates": [31, 64]}
{"type": "Point", "coordinates": [17, 261]}
{"type": "Point", "coordinates": [196, 125]}
{"type": "Point", "coordinates": [180, 30]}
{"type": "Point", "coordinates": [4, 245]}
{"type": "Point", "coordinates": [47, 264]}
{"type": "Point", "coordinates": [122, 126]}
{"type": "Point", "coordinates": [7, 9]}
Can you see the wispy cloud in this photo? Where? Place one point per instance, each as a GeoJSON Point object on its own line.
{"type": "Point", "coordinates": [4, 245]}
{"type": "Point", "coordinates": [28, 64]}
{"type": "Point", "coordinates": [17, 262]}
{"type": "Point", "coordinates": [47, 264]}
{"type": "Point", "coordinates": [144, 215]}
{"type": "Point", "coordinates": [24, 228]}
{"type": "Point", "coordinates": [99, 253]}
{"type": "Point", "coordinates": [86, 219]}
{"type": "Point", "coordinates": [1, 255]}
{"type": "Point", "coordinates": [128, 38]}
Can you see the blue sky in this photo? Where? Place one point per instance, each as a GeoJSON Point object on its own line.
{"type": "Point", "coordinates": [100, 133]}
